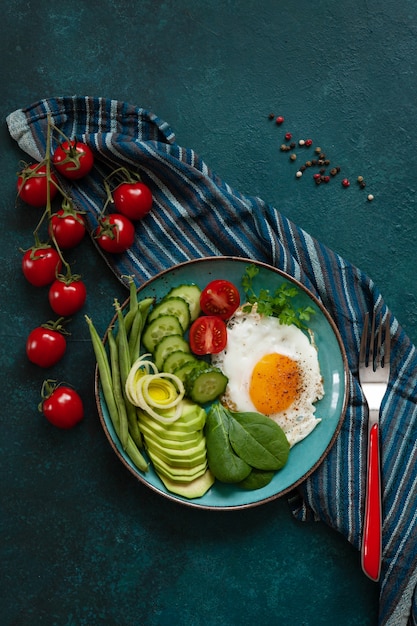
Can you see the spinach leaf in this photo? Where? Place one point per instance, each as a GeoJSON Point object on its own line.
{"type": "Point", "coordinates": [257, 479]}
{"type": "Point", "coordinates": [258, 440]}
{"type": "Point", "coordinates": [224, 464]}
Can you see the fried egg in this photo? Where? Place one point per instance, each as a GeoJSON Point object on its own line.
{"type": "Point", "coordinates": [272, 369]}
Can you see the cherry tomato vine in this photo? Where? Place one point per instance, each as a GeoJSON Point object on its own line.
{"type": "Point", "coordinates": [127, 200]}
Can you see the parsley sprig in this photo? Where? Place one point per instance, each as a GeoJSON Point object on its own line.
{"type": "Point", "coordinates": [277, 304]}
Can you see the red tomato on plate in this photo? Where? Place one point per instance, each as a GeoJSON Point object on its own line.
{"type": "Point", "coordinates": [115, 233]}
{"type": "Point", "coordinates": [45, 346]}
{"type": "Point", "coordinates": [208, 335]}
{"type": "Point", "coordinates": [40, 266]}
{"type": "Point", "coordinates": [67, 297]}
{"type": "Point", "coordinates": [32, 185]}
{"type": "Point", "coordinates": [63, 407]}
{"type": "Point", "coordinates": [73, 159]}
{"type": "Point", "coordinates": [220, 297]}
{"type": "Point", "coordinates": [133, 200]}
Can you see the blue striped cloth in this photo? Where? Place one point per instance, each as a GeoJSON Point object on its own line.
{"type": "Point", "coordinates": [196, 214]}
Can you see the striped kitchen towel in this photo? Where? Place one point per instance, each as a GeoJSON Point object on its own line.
{"type": "Point", "coordinates": [196, 214]}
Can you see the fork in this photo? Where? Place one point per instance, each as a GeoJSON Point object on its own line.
{"type": "Point", "coordinates": [374, 368]}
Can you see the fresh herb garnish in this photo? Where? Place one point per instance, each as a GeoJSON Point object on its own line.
{"type": "Point", "coordinates": [277, 304]}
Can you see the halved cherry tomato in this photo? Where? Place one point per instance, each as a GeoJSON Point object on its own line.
{"type": "Point", "coordinates": [73, 159]}
{"type": "Point", "coordinates": [115, 233]}
{"type": "Point", "coordinates": [66, 297]}
{"type": "Point", "coordinates": [32, 185]}
{"type": "Point", "coordinates": [220, 297]}
{"type": "Point", "coordinates": [40, 265]}
{"type": "Point", "coordinates": [208, 335]}
{"type": "Point", "coordinates": [133, 200]}
{"type": "Point", "coordinates": [68, 228]}
{"type": "Point", "coordinates": [62, 407]}
{"type": "Point", "coordinates": [46, 345]}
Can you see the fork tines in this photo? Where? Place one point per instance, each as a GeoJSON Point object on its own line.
{"type": "Point", "coordinates": [377, 349]}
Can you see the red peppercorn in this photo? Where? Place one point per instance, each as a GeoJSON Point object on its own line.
{"type": "Point", "coordinates": [279, 120]}
{"type": "Point", "coordinates": [316, 176]}
{"type": "Point", "coordinates": [345, 182]}
{"type": "Point", "coordinates": [288, 136]}
{"type": "Point", "coordinates": [308, 142]}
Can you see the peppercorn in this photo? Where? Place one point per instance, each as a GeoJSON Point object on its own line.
{"type": "Point", "coordinates": [370, 197]}
{"type": "Point", "coordinates": [308, 142]}
{"type": "Point", "coordinates": [362, 184]}
{"type": "Point", "coordinates": [301, 142]}
{"type": "Point", "coordinates": [316, 176]}
{"type": "Point", "coordinates": [317, 150]}
{"type": "Point", "coordinates": [318, 181]}
{"type": "Point", "coordinates": [279, 120]}
{"type": "Point", "coordinates": [326, 179]}
{"type": "Point", "coordinates": [313, 161]}
{"type": "Point", "coordinates": [308, 163]}
{"type": "Point", "coordinates": [345, 182]}
{"type": "Point", "coordinates": [360, 179]}
{"type": "Point", "coordinates": [293, 156]}
{"type": "Point", "coordinates": [302, 168]}
{"type": "Point", "coordinates": [298, 174]}
{"type": "Point", "coordinates": [322, 156]}
{"type": "Point", "coordinates": [271, 116]}
{"type": "Point", "coordinates": [333, 171]}
{"type": "Point", "coordinates": [284, 147]}
{"type": "Point", "coordinates": [288, 136]}
{"type": "Point", "coordinates": [292, 145]}
{"type": "Point", "coordinates": [326, 162]}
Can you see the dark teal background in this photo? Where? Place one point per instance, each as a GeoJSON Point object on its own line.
{"type": "Point", "coordinates": [82, 543]}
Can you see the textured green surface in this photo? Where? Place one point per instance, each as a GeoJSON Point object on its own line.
{"type": "Point", "coordinates": [82, 543]}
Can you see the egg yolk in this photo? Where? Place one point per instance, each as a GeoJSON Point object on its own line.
{"type": "Point", "coordinates": [274, 384]}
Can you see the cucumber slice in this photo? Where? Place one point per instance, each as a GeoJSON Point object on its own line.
{"type": "Point", "coordinates": [171, 343]}
{"type": "Point", "coordinates": [159, 328]}
{"type": "Point", "coordinates": [185, 369]}
{"type": "Point", "coordinates": [175, 306]}
{"type": "Point", "coordinates": [204, 385]}
{"type": "Point", "coordinates": [176, 359]}
{"type": "Point", "coordinates": [191, 294]}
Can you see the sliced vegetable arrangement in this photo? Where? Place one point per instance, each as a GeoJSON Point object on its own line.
{"type": "Point", "coordinates": [164, 400]}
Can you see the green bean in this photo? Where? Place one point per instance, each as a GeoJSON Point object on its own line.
{"type": "Point", "coordinates": [135, 337]}
{"type": "Point", "coordinates": [135, 456]}
{"type": "Point", "coordinates": [107, 386]}
{"type": "Point", "coordinates": [124, 365]}
{"type": "Point", "coordinates": [105, 373]}
{"type": "Point", "coordinates": [117, 390]}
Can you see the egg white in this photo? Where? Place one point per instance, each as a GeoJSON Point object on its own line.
{"type": "Point", "coordinates": [251, 336]}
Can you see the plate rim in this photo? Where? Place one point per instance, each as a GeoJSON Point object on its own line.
{"type": "Point", "coordinates": [294, 485]}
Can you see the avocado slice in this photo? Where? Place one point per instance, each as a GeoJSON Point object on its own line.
{"type": "Point", "coordinates": [194, 489]}
{"type": "Point", "coordinates": [178, 458]}
{"type": "Point", "coordinates": [181, 474]}
{"type": "Point", "coordinates": [178, 441]}
{"type": "Point", "coordinates": [188, 422]}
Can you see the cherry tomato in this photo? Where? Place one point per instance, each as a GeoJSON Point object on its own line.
{"type": "Point", "coordinates": [67, 227]}
{"type": "Point", "coordinates": [133, 200]}
{"type": "Point", "coordinates": [221, 298]}
{"type": "Point", "coordinates": [32, 185]}
{"type": "Point", "coordinates": [115, 233]}
{"type": "Point", "coordinates": [208, 335]}
{"type": "Point", "coordinates": [40, 266]}
{"type": "Point", "coordinates": [45, 345]}
{"type": "Point", "coordinates": [63, 407]}
{"type": "Point", "coordinates": [73, 159]}
{"type": "Point", "coordinates": [67, 297]}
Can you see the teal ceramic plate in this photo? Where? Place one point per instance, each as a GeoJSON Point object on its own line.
{"type": "Point", "coordinates": [305, 456]}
